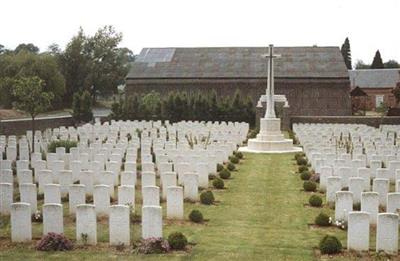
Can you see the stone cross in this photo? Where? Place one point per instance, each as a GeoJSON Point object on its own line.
{"type": "Point", "coordinates": [270, 112]}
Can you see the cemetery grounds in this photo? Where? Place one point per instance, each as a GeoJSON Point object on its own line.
{"type": "Point", "coordinates": [261, 215]}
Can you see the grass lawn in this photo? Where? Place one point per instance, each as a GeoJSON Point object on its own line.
{"type": "Point", "coordinates": [260, 216]}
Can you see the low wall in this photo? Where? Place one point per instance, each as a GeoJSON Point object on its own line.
{"type": "Point", "coordinates": [20, 126]}
{"type": "Point", "coordinates": [373, 121]}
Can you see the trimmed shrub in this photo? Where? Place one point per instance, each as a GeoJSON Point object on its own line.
{"type": "Point", "coordinates": [299, 155]}
{"type": "Point", "coordinates": [220, 167]}
{"type": "Point", "coordinates": [218, 183]}
{"type": "Point", "coordinates": [302, 161]}
{"type": "Point", "coordinates": [239, 155]}
{"type": "Point", "coordinates": [196, 216]}
{"type": "Point", "coordinates": [357, 206]}
{"type": "Point", "coordinates": [309, 186]}
{"type": "Point", "coordinates": [177, 241]}
{"type": "Point", "coordinates": [234, 159]}
{"type": "Point", "coordinates": [315, 201]}
{"type": "Point", "coordinates": [305, 175]}
{"type": "Point", "coordinates": [225, 174]}
{"type": "Point", "coordinates": [67, 144]}
{"type": "Point", "coordinates": [303, 168]}
{"type": "Point", "coordinates": [207, 197]}
{"type": "Point", "coordinates": [322, 220]}
{"type": "Point", "coordinates": [153, 246]}
{"type": "Point", "coordinates": [54, 242]}
{"type": "Point", "coordinates": [330, 245]}
{"type": "Point", "coordinates": [231, 166]}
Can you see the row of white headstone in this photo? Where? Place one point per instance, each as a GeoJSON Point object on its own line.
{"type": "Point", "coordinates": [351, 156]}
{"type": "Point", "coordinates": [86, 222]}
{"type": "Point", "coordinates": [97, 163]}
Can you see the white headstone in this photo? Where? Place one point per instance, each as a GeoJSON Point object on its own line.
{"type": "Point", "coordinates": [191, 186]}
{"type": "Point", "coordinates": [151, 222]}
{"type": "Point", "coordinates": [6, 198]}
{"type": "Point", "coordinates": [21, 223]}
{"type": "Point", "coordinates": [52, 194]}
{"type": "Point", "coordinates": [387, 233]}
{"type": "Point", "coordinates": [101, 199]}
{"type": "Point", "coordinates": [175, 202]}
{"type": "Point", "coordinates": [77, 196]}
{"type": "Point", "coordinates": [119, 225]}
{"type": "Point", "coordinates": [28, 194]}
{"type": "Point", "coordinates": [370, 204]}
{"type": "Point", "coordinates": [53, 219]}
{"type": "Point", "coordinates": [343, 204]}
{"type": "Point", "coordinates": [126, 195]}
{"type": "Point", "coordinates": [151, 196]}
{"type": "Point", "coordinates": [358, 231]}
{"type": "Point", "coordinates": [86, 224]}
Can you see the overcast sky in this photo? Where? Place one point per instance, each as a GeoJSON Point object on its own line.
{"type": "Point", "coordinates": [370, 24]}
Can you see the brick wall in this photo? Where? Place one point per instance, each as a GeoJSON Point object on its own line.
{"type": "Point", "coordinates": [368, 120]}
{"type": "Point", "coordinates": [20, 126]}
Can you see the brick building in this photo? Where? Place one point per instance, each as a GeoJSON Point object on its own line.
{"type": "Point", "coordinates": [314, 79]}
{"type": "Point", "coordinates": [377, 84]}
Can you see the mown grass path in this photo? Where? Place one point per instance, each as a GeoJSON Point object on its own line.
{"type": "Point", "coordinates": [260, 216]}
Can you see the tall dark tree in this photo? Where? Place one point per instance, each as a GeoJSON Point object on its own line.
{"type": "Point", "coordinates": [27, 47]}
{"type": "Point", "coordinates": [377, 63]}
{"type": "Point", "coordinates": [346, 53]}
{"type": "Point", "coordinates": [392, 64]}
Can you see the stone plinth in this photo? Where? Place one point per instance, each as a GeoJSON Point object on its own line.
{"type": "Point", "coordinates": [270, 139]}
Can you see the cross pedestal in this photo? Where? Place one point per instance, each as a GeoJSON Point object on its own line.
{"type": "Point", "coordinates": [270, 138]}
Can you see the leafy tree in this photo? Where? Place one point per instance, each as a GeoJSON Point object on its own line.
{"type": "Point", "coordinates": [108, 63]}
{"type": "Point", "coordinates": [346, 53]}
{"type": "Point", "coordinates": [27, 47]}
{"type": "Point", "coordinates": [392, 64]}
{"type": "Point", "coordinates": [31, 97]}
{"type": "Point", "coordinates": [82, 107]}
{"type": "Point", "coordinates": [28, 64]}
{"type": "Point", "coordinates": [361, 65]}
{"type": "Point", "coordinates": [377, 62]}
{"type": "Point", "coordinates": [74, 64]}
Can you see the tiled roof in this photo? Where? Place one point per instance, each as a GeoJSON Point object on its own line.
{"type": "Point", "coordinates": [238, 62]}
{"type": "Point", "coordinates": [374, 78]}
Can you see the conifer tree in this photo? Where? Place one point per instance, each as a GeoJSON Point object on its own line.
{"type": "Point", "coordinates": [377, 63]}
{"type": "Point", "coordinates": [346, 53]}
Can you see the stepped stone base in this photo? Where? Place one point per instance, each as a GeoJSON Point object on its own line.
{"type": "Point", "coordinates": [270, 139]}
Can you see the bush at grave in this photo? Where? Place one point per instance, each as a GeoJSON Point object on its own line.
{"type": "Point", "coordinates": [315, 177]}
{"type": "Point", "coordinates": [322, 220]}
{"type": "Point", "coordinates": [315, 201]}
{"type": "Point", "coordinates": [139, 167]}
{"type": "Point", "coordinates": [218, 183]}
{"type": "Point", "coordinates": [239, 154]}
{"type": "Point", "coordinates": [330, 245]}
{"type": "Point", "coordinates": [211, 176]}
{"type": "Point", "coordinates": [309, 186]}
{"type": "Point", "coordinates": [54, 242]}
{"type": "Point", "coordinates": [220, 167]}
{"type": "Point", "coordinates": [37, 217]}
{"type": "Point", "coordinates": [177, 241]}
{"type": "Point", "coordinates": [67, 144]}
{"type": "Point", "coordinates": [357, 206]}
{"type": "Point", "coordinates": [345, 189]}
{"type": "Point", "coordinates": [225, 174]}
{"type": "Point", "coordinates": [207, 197]}
{"type": "Point", "coordinates": [153, 246]}
{"type": "Point", "coordinates": [234, 159]}
{"type": "Point", "coordinates": [196, 216]}
{"type": "Point", "coordinates": [303, 168]}
{"type": "Point", "coordinates": [305, 175]}
{"type": "Point", "coordinates": [231, 166]}
{"type": "Point", "coordinates": [302, 161]}
{"type": "Point", "coordinates": [299, 155]}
